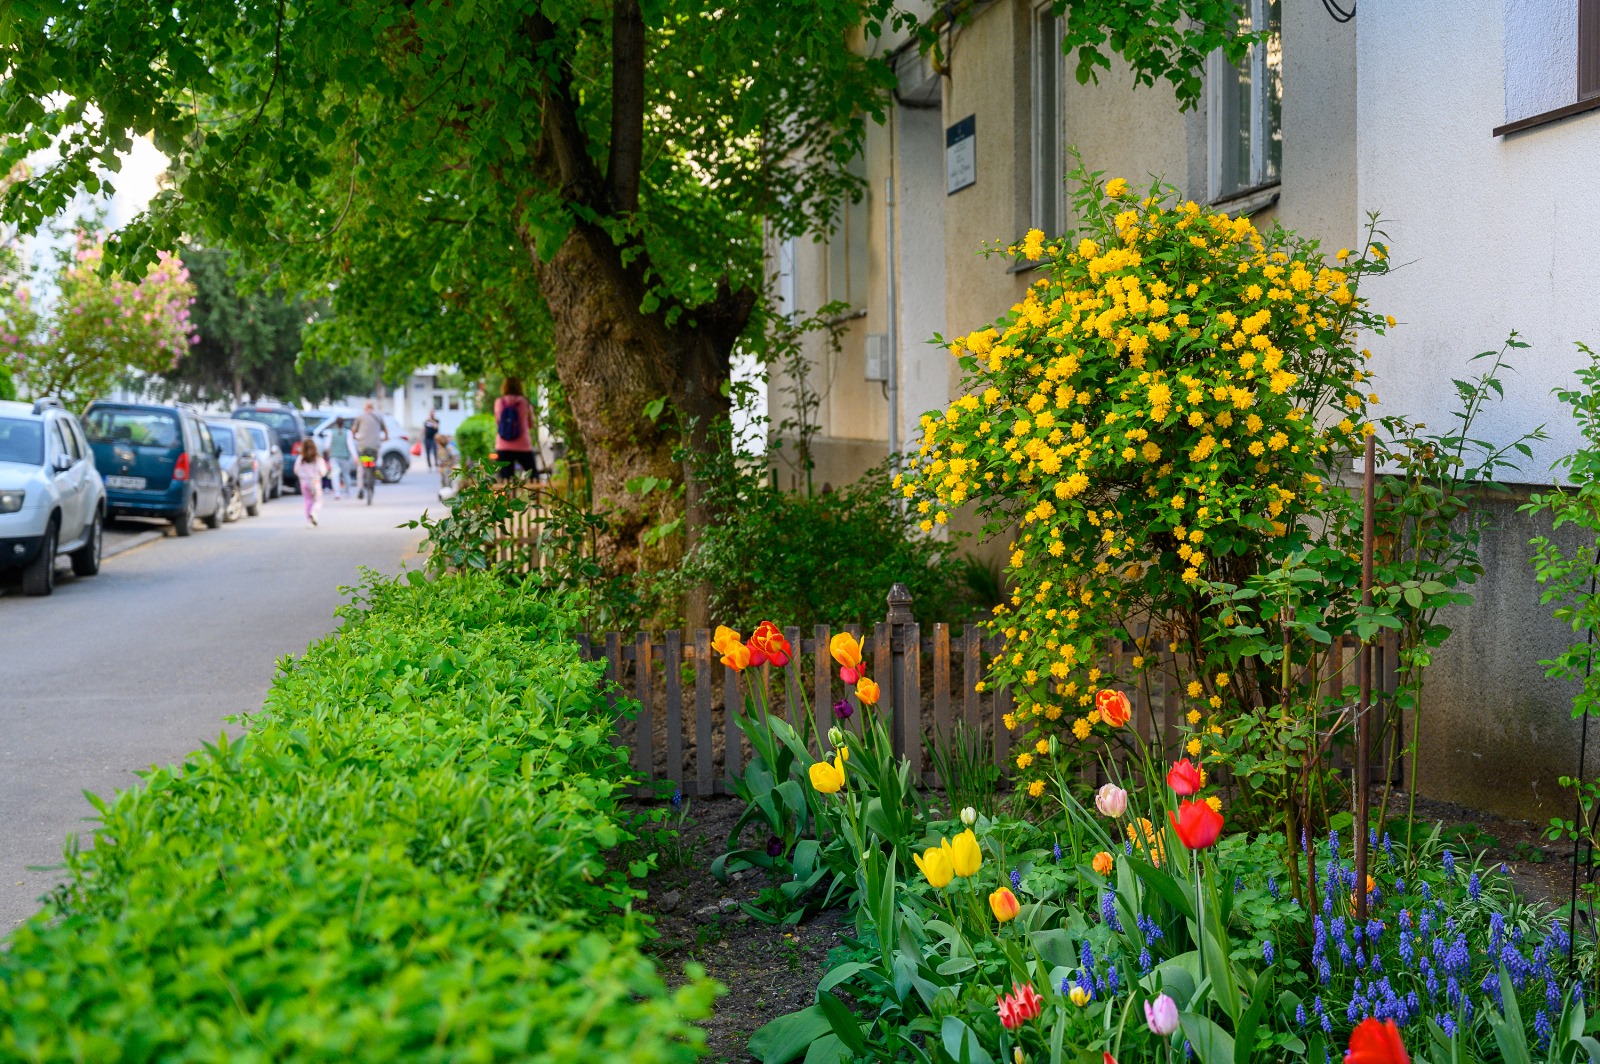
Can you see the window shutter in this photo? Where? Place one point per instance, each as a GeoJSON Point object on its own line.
{"type": "Point", "coordinates": [1588, 49]}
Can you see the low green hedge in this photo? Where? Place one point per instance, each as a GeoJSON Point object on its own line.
{"type": "Point", "coordinates": [402, 860]}
{"type": "Point", "coordinates": [475, 438]}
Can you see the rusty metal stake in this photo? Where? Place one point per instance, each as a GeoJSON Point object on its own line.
{"type": "Point", "coordinates": [1363, 725]}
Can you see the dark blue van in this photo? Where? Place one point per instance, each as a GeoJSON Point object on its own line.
{"type": "Point", "coordinates": [157, 461]}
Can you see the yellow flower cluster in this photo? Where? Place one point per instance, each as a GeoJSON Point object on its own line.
{"type": "Point", "coordinates": [1166, 400]}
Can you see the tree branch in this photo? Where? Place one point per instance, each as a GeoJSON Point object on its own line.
{"type": "Point", "coordinates": [627, 105]}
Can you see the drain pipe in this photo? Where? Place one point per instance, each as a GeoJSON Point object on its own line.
{"type": "Point", "coordinates": [893, 330]}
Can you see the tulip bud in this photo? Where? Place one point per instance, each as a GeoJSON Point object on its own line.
{"type": "Point", "coordinates": [1161, 1015]}
{"type": "Point", "coordinates": [835, 737]}
{"type": "Point", "coordinates": [1055, 746]}
{"type": "Point", "coordinates": [1111, 800]}
{"type": "Point", "coordinates": [969, 816]}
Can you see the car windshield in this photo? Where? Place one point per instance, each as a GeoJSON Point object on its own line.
{"type": "Point", "coordinates": [21, 441]}
{"type": "Point", "coordinates": [223, 437]}
{"type": "Point", "coordinates": [142, 428]}
{"type": "Point", "coordinates": [276, 418]}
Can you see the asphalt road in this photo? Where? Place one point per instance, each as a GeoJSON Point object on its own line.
{"type": "Point", "coordinates": [140, 664]}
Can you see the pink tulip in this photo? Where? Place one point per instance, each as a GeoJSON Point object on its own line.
{"type": "Point", "coordinates": [1161, 1015]}
{"type": "Point", "coordinates": [1111, 800]}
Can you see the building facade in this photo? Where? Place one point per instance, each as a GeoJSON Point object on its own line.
{"type": "Point", "coordinates": [1472, 130]}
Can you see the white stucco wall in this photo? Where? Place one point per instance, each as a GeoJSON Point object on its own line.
{"type": "Point", "coordinates": [1541, 48]}
{"type": "Point", "coordinates": [1490, 234]}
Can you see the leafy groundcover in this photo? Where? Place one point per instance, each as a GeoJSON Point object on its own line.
{"type": "Point", "coordinates": [404, 859]}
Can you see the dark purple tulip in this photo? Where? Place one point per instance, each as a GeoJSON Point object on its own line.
{"type": "Point", "coordinates": [774, 847]}
{"type": "Point", "coordinates": [843, 710]}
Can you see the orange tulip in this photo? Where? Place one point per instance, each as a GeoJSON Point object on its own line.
{"type": "Point", "coordinates": [1004, 905]}
{"type": "Point", "coordinates": [1102, 863]}
{"type": "Point", "coordinates": [736, 657]}
{"type": "Point", "coordinates": [867, 691]}
{"type": "Point", "coordinates": [723, 638]}
{"type": "Point", "coordinates": [846, 650]}
{"type": "Point", "coordinates": [1114, 707]}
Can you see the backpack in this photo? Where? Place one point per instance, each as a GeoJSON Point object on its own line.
{"type": "Point", "coordinates": [509, 424]}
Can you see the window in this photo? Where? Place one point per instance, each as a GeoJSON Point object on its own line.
{"type": "Point", "coordinates": [1048, 156]}
{"type": "Point", "coordinates": [1246, 105]}
{"type": "Point", "coordinates": [848, 250]}
{"type": "Point", "coordinates": [1588, 49]}
{"type": "Point", "coordinates": [62, 446]}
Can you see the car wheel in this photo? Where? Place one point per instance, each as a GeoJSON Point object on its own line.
{"type": "Point", "coordinates": [183, 524]}
{"type": "Point", "coordinates": [277, 488]}
{"type": "Point", "coordinates": [254, 508]}
{"type": "Point", "coordinates": [394, 467]}
{"type": "Point", "coordinates": [86, 559]}
{"type": "Point", "coordinates": [215, 520]}
{"type": "Point", "coordinates": [235, 508]}
{"type": "Point", "coordinates": [39, 578]}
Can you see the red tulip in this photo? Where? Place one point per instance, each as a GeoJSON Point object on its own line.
{"type": "Point", "coordinates": [1197, 824]}
{"type": "Point", "coordinates": [1019, 1006]}
{"type": "Point", "coordinates": [768, 644]}
{"type": "Point", "coordinates": [1374, 1042]}
{"type": "Point", "coordinates": [1184, 778]}
{"type": "Point", "coordinates": [1114, 707]}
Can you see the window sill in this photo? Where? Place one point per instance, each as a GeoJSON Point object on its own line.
{"type": "Point", "coordinates": [1534, 121]}
{"type": "Point", "coordinates": [848, 316]}
{"type": "Point", "coordinates": [1250, 201]}
{"type": "Point", "coordinates": [1027, 267]}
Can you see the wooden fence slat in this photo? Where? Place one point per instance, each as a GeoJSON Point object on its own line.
{"type": "Point", "coordinates": [672, 670]}
{"type": "Point", "coordinates": [1002, 706]}
{"type": "Point", "coordinates": [614, 674]}
{"type": "Point", "coordinates": [941, 681]}
{"type": "Point", "coordinates": [704, 755]}
{"type": "Point", "coordinates": [883, 673]}
{"type": "Point", "coordinates": [910, 714]}
{"type": "Point", "coordinates": [792, 683]}
{"type": "Point", "coordinates": [970, 672]}
{"type": "Point", "coordinates": [732, 737]}
{"type": "Point", "coordinates": [822, 677]}
{"type": "Point", "coordinates": [644, 731]}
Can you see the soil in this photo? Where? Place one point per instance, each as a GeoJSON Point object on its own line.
{"type": "Point", "coordinates": [769, 970]}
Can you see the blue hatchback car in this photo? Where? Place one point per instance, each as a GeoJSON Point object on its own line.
{"type": "Point", "coordinates": [157, 461]}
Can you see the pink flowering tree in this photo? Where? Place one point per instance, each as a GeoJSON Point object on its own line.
{"type": "Point", "coordinates": [98, 328]}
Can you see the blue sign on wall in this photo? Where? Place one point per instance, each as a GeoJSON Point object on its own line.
{"type": "Point", "coordinates": [961, 155]}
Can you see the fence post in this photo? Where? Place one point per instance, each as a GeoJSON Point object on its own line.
{"type": "Point", "coordinates": [905, 728]}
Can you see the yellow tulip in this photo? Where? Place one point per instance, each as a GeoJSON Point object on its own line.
{"type": "Point", "coordinates": [846, 650]}
{"type": "Point", "coordinates": [1079, 996]}
{"type": "Point", "coordinates": [828, 778]}
{"type": "Point", "coordinates": [724, 638]}
{"type": "Point", "coordinates": [935, 864]}
{"type": "Point", "coordinates": [965, 855]}
{"type": "Point", "coordinates": [736, 656]}
{"type": "Point", "coordinates": [867, 691]}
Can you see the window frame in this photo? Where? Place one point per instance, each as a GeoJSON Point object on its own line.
{"type": "Point", "coordinates": [1217, 68]}
{"type": "Point", "coordinates": [1047, 206]}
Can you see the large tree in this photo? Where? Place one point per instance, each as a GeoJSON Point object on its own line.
{"type": "Point", "coordinates": [629, 151]}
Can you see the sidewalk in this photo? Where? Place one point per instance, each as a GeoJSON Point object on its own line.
{"type": "Point", "coordinates": [123, 535]}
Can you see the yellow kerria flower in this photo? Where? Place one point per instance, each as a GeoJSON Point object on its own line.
{"type": "Point", "coordinates": [1036, 788]}
{"type": "Point", "coordinates": [1115, 188]}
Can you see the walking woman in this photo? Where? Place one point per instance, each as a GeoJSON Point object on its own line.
{"type": "Point", "coordinates": [343, 458]}
{"type": "Point", "coordinates": [430, 438]}
{"type": "Point", "coordinates": [513, 424]}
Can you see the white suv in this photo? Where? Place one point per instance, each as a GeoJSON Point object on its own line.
{"type": "Point", "coordinates": [52, 500]}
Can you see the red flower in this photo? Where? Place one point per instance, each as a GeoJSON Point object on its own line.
{"type": "Point", "coordinates": [1019, 1006]}
{"type": "Point", "coordinates": [1184, 778]}
{"type": "Point", "coordinates": [1197, 824]}
{"type": "Point", "coordinates": [768, 644]}
{"type": "Point", "coordinates": [1373, 1042]}
{"type": "Point", "coordinates": [1114, 707]}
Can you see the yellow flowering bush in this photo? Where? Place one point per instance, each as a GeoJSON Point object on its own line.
{"type": "Point", "coordinates": [1164, 408]}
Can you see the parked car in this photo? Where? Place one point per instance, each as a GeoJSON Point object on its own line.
{"type": "Point", "coordinates": [241, 473]}
{"type": "Point", "coordinates": [269, 456]}
{"type": "Point", "coordinates": [52, 500]}
{"type": "Point", "coordinates": [286, 423]}
{"type": "Point", "coordinates": [157, 461]}
{"type": "Point", "coordinates": [394, 455]}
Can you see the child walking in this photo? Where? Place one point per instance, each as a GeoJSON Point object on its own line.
{"type": "Point", "coordinates": [310, 468]}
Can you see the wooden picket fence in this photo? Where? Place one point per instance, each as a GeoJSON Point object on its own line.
{"type": "Point", "coordinates": [929, 677]}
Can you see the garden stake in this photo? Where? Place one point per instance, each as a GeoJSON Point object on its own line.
{"type": "Point", "coordinates": [1363, 724]}
{"type": "Point", "coordinates": [1583, 756]}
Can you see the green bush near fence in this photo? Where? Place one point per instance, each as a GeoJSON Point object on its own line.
{"type": "Point", "coordinates": [404, 859]}
{"type": "Point", "coordinates": [475, 438]}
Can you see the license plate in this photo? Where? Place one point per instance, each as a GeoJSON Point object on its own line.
{"type": "Point", "coordinates": [127, 483]}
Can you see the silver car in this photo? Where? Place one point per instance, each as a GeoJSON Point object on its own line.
{"type": "Point", "coordinates": [394, 454]}
{"type": "Point", "coordinates": [269, 456]}
{"type": "Point", "coordinates": [52, 500]}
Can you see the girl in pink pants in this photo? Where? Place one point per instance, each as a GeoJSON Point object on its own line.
{"type": "Point", "coordinates": [309, 469]}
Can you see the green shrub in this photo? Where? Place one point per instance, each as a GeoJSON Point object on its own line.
{"type": "Point", "coordinates": [475, 438]}
{"type": "Point", "coordinates": [403, 859]}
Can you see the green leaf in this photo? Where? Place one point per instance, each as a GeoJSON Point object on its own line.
{"type": "Point", "coordinates": [961, 1043]}
{"type": "Point", "coordinates": [788, 1037]}
{"type": "Point", "coordinates": [1211, 1043]}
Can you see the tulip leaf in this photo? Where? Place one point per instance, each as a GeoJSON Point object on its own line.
{"type": "Point", "coordinates": [1056, 946]}
{"type": "Point", "coordinates": [957, 965]}
{"type": "Point", "coordinates": [787, 1037]}
{"type": "Point", "coordinates": [961, 1043]}
{"type": "Point", "coordinates": [1211, 1043]}
{"type": "Point", "coordinates": [845, 1025]}
{"type": "Point", "coordinates": [1163, 884]}
{"type": "Point", "coordinates": [1244, 1036]}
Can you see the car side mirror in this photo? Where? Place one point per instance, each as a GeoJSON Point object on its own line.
{"type": "Point", "coordinates": [63, 463]}
{"type": "Point", "coordinates": [218, 450]}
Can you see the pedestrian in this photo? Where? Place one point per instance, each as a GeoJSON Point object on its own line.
{"type": "Point", "coordinates": [309, 469]}
{"type": "Point", "coordinates": [513, 422]}
{"type": "Point", "coordinates": [448, 460]}
{"type": "Point", "coordinates": [369, 433]}
{"type": "Point", "coordinates": [430, 438]}
{"type": "Point", "coordinates": [343, 456]}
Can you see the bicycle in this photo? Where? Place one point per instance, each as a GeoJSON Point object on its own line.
{"type": "Point", "coordinates": [369, 474]}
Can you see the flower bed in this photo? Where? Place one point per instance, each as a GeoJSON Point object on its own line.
{"type": "Point", "coordinates": [402, 860]}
